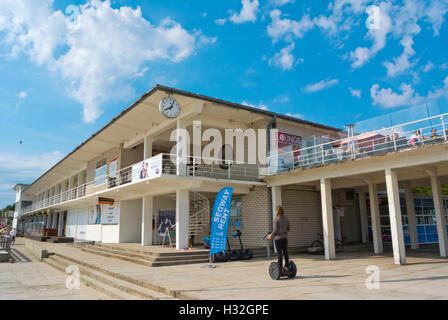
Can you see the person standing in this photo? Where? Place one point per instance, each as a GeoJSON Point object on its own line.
{"type": "Point", "coordinates": [13, 234]}
{"type": "Point", "coordinates": [280, 234]}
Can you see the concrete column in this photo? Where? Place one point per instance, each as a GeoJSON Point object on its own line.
{"type": "Point", "coordinates": [61, 224]}
{"type": "Point", "coordinates": [55, 221]}
{"type": "Point", "coordinates": [182, 218]}
{"type": "Point", "coordinates": [440, 212]}
{"type": "Point", "coordinates": [45, 220]}
{"type": "Point", "coordinates": [396, 226]}
{"type": "Point", "coordinates": [363, 215]}
{"type": "Point", "coordinates": [412, 223]}
{"type": "Point", "coordinates": [147, 216]}
{"type": "Point", "coordinates": [147, 147]}
{"type": "Point", "coordinates": [182, 143]}
{"type": "Point", "coordinates": [327, 219]}
{"type": "Point", "coordinates": [276, 193]}
{"type": "Point", "coordinates": [375, 217]}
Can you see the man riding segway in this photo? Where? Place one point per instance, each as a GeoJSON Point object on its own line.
{"type": "Point", "coordinates": [280, 234]}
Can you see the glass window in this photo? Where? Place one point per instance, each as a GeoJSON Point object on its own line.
{"type": "Point", "coordinates": [100, 173]}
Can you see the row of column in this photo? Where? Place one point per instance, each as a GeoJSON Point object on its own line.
{"type": "Point", "coordinates": [393, 195]}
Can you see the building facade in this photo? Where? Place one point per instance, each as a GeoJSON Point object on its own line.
{"type": "Point", "coordinates": [132, 182]}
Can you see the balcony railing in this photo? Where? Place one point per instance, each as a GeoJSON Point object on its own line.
{"type": "Point", "coordinates": [166, 165]}
{"type": "Point", "coordinates": [407, 135]}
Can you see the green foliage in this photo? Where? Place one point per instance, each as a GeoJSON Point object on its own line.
{"type": "Point", "coordinates": [428, 191]}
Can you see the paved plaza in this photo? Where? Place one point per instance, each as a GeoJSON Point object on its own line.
{"type": "Point", "coordinates": [28, 278]}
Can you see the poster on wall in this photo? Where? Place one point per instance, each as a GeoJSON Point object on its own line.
{"type": "Point", "coordinates": [94, 215]}
{"type": "Point", "coordinates": [290, 142]}
{"type": "Point", "coordinates": [113, 165]}
{"type": "Point", "coordinates": [167, 219]}
{"type": "Point", "coordinates": [110, 214]}
{"type": "Point", "coordinates": [150, 168]}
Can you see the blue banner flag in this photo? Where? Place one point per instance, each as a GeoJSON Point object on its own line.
{"type": "Point", "coordinates": [220, 221]}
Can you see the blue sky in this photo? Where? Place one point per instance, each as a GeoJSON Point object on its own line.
{"type": "Point", "coordinates": [64, 76]}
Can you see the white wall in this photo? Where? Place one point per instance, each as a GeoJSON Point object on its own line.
{"type": "Point", "coordinates": [130, 221]}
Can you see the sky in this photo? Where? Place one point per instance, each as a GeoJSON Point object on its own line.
{"type": "Point", "coordinates": [68, 67]}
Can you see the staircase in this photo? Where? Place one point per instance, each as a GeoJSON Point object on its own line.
{"type": "Point", "coordinates": [146, 257]}
{"type": "Point", "coordinates": [111, 284]}
{"type": "Point", "coordinates": [199, 214]}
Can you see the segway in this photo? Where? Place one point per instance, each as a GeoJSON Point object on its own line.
{"type": "Point", "coordinates": [276, 272]}
{"type": "Point", "coordinates": [223, 256]}
{"type": "Point", "coordinates": [241, 254]}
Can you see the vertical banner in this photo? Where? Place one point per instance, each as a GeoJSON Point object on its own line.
{"type": "Point", "coordinates": [220, 221]}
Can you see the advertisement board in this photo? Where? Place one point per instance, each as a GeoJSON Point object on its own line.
{"type": "Point", "coordinates": [150, 168]}
{"type": "Point", "coordinates": [110, 214]}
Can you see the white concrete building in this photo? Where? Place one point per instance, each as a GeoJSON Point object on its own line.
{"type": "Point", "coordinates": [312, 170]}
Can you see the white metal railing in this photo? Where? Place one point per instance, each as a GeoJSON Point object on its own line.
{"type": "Point", "coordinates": [193, 167]}
{"type": "Point", "coordinates": [407, 135]}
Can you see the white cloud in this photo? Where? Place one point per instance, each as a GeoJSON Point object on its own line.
{"type": "Point", "coordinates": [22, 95]}
{"type": "Point", "coordinates": [248, 12]}
{"type": "Point", "coordinates": [23, 168]}
{"type": "Point", "coordinates": [355, 93]}
{"type": "Point", "coordinates": [444, 66]}
{"type": "Point", "coordinates": [362, 55]}
{"type": "Point", "coordinates": [287, 28]}
{"type": "Point", "coordinates": [429, 66]}
{"type": "Point", "coordinates": [285, 59]}
{"type": "Point", "coordinates": [321, 85]}
{"type": "Point", "coordinates": [220, 22]}
{"type": "Point", "coordinates": [402, 63]}
{"type": "Point", "coordinates": [280, 2]}
{"type": "Point", "coordinates": [259, 106]}
{"type": "Point", "coordinates": [105, 47]}
{"type": "Point", "coordinates": [389, 99]}
{"type": "Point", "coordinates": [295, 115]}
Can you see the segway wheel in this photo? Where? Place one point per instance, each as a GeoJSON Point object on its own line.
{"type": "Point", "coordinates": [292, 268]}
{"type": "Point", "coordinates": [236, 253]}
{"type": "Point", "coordinates": [248, 253]}
{"type": "Point", "coordinates": [274, 271]}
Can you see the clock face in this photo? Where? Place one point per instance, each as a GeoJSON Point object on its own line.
{"type": "Point", "coordinates": [169, 107]}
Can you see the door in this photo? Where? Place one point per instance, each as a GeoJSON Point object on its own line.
{"type": "Point", "coordinates": [71, 223]}
{"type": "Point", "coordinates": [81, 224]}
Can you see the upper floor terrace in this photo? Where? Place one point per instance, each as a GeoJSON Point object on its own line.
{"type": "Point", "coordinates": [322, 151]}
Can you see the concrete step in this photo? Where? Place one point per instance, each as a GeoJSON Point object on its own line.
{"type": "Point", "coordinates": [97, 285]}
{"type": "Point", "coordinates": [144, 262]}
{"type": "Point", "coordinates": [153, 253]}
{"type": "Point", "coordinates": [82, 258]}
{"type": "Point", "coordinates": [150, 257]}
{"type": "Point", "coordinates": [127, 287]}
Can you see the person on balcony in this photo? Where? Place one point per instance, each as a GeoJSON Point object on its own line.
{"type": "Point", "coordinates": [414, 138]}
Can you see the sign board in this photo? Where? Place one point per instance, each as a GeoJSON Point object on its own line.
{"type": "Point", "coordinates": [113, 165]}
{"type": "Point", "coordinates": [150, 168]}
{"type": "Point", "coordinates": [220, 221]}
{"type": "Point", "coordinates": [167, 219]}
{"type": "Point", "coordinates": [102, 200]}
{"type": "Point", "coordinates": [285, 139]}
{"type": "Point", "coordinates": [110, 214]}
